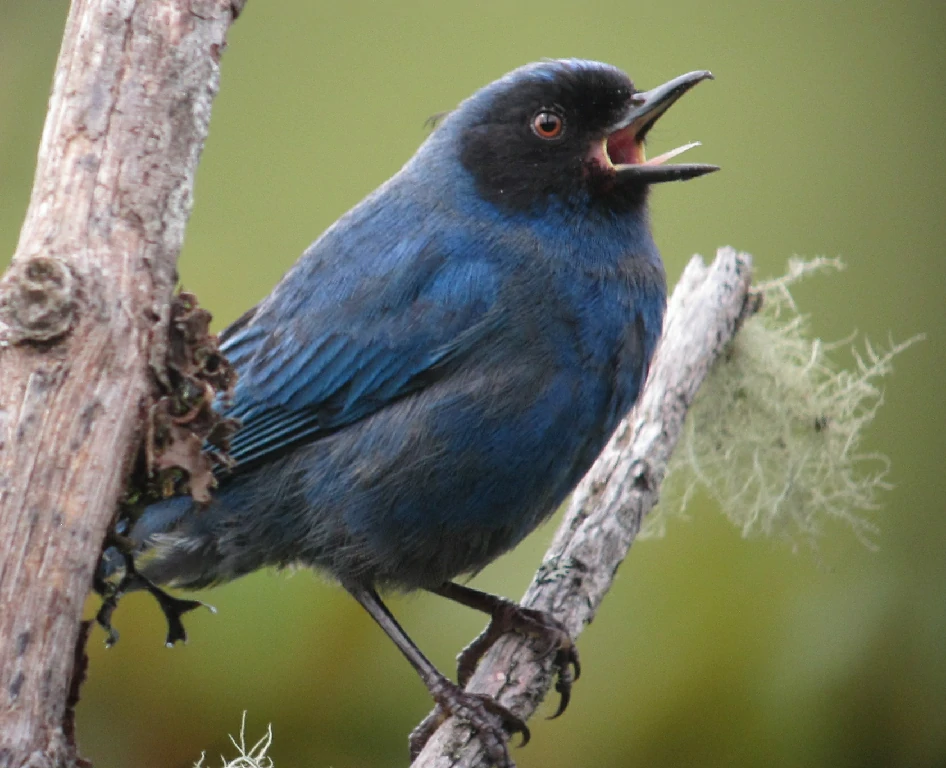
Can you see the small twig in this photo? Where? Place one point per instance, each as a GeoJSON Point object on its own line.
{"type": "Point", "coordinates": [606, 510]}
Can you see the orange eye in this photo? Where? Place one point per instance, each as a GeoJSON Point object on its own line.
{"type": "Point", "coordinates": [547, 125]}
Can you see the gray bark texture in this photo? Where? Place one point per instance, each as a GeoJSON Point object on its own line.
{"type": "Point", "coordinates": [81, 307]}
{"type": "Point", "coordinates": [604, 516]}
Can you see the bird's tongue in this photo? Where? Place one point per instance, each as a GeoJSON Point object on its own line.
{"type": "Point", "coordinates": [625, 149]}
{"type": "Point", "coordinates": [661, 159]}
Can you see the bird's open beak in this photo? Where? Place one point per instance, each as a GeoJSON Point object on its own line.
{"type": "Point", "coordinates": [622, 150]}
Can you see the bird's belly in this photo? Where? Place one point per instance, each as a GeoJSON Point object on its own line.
{"type": "Point", "coordinates": [442, 484]}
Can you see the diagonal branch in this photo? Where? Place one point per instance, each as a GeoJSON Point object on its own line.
{"type": "Point", "coordinates": [705, 311]}
{"type": "Point", "coordinates": [82, 309]}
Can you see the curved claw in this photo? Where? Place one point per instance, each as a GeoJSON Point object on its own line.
{"type": "Point", "coordinates": [487, 717]}
{"type": "Point", "coordinates": [566, 660]}
{"type": "Point", "coordinates": [566, 697]}
{"type": "Point", "coordinates": [576, 664]}
{"type": "Point", "coordinates": [511, 722]}
{"type": "Point", "coordinates": [551, 633]}
{"type": "Point", "coordinates": [563, 686]}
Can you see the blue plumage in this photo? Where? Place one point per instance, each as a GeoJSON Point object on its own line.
{"type": "Point", "coordinates": [440, 368]}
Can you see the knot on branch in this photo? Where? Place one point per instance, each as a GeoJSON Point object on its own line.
{"type": "Point", "coordinates": [38, 300]}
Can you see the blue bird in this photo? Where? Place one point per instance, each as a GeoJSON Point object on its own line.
{"type": "Point", "coordinates": [439, 369]}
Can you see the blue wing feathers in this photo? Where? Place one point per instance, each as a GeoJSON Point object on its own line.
{"type": "Point", "coordinates": [375, 344]}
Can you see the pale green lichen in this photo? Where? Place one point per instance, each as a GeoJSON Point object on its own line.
{"type": "Point", "coordinates": [775, 434]}
{"type": "Point", "coordinates": [248, 757]}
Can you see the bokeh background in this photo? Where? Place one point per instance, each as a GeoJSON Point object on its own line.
{"type": "Point", "coordinates": [827, 118]}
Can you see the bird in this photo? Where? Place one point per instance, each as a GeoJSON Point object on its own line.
{"type": "Point", "coordinates": [439, 369]}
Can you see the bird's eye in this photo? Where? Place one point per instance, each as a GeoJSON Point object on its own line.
{"type": "Point", "coordinates": [547, 125]}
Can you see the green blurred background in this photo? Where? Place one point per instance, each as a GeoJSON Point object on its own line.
{"type": "Point", "coordinates": [827, 118]}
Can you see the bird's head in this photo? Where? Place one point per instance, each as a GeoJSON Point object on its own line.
{"type": "Point", "coordinates": [567, 129]}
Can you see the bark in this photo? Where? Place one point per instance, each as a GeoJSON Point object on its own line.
{"type": "Point", "coordinates": [706, 309]}
{"type": "Point", "coordinates": [82, 304]}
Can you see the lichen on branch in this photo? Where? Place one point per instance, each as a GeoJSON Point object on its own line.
{"type": "Point", "coordinates": [776, 434]}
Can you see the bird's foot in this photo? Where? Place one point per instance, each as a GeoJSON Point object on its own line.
{"type": "Point", "coordinates": [172, 607]}
{"type": "Point", "coordinates": [489, 719]}
{"type": "Point", "coordinates": [508, 616]}
{"type": "Point", "coordinates": [103, 618]}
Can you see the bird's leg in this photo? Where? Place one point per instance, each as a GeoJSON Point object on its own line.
{"type": "Point", "coordinates": [109, 594]}
{"type": "Point", "coordinates": [507, 616]}
{"type": "Point", "coordinates": [483, 713]}
{"type": "Point", "coordinates": [132, 581]}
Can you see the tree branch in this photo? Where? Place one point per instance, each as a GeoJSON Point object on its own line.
{"type": "Point", "coordinates": [80, 307]}
{"type": "Point", "coordinates": [705, 311]}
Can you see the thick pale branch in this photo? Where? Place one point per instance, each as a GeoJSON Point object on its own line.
{"type": "Point", "coordinates": [79, 309]}
{"type": "Point", "coordinates": [606, 510]}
